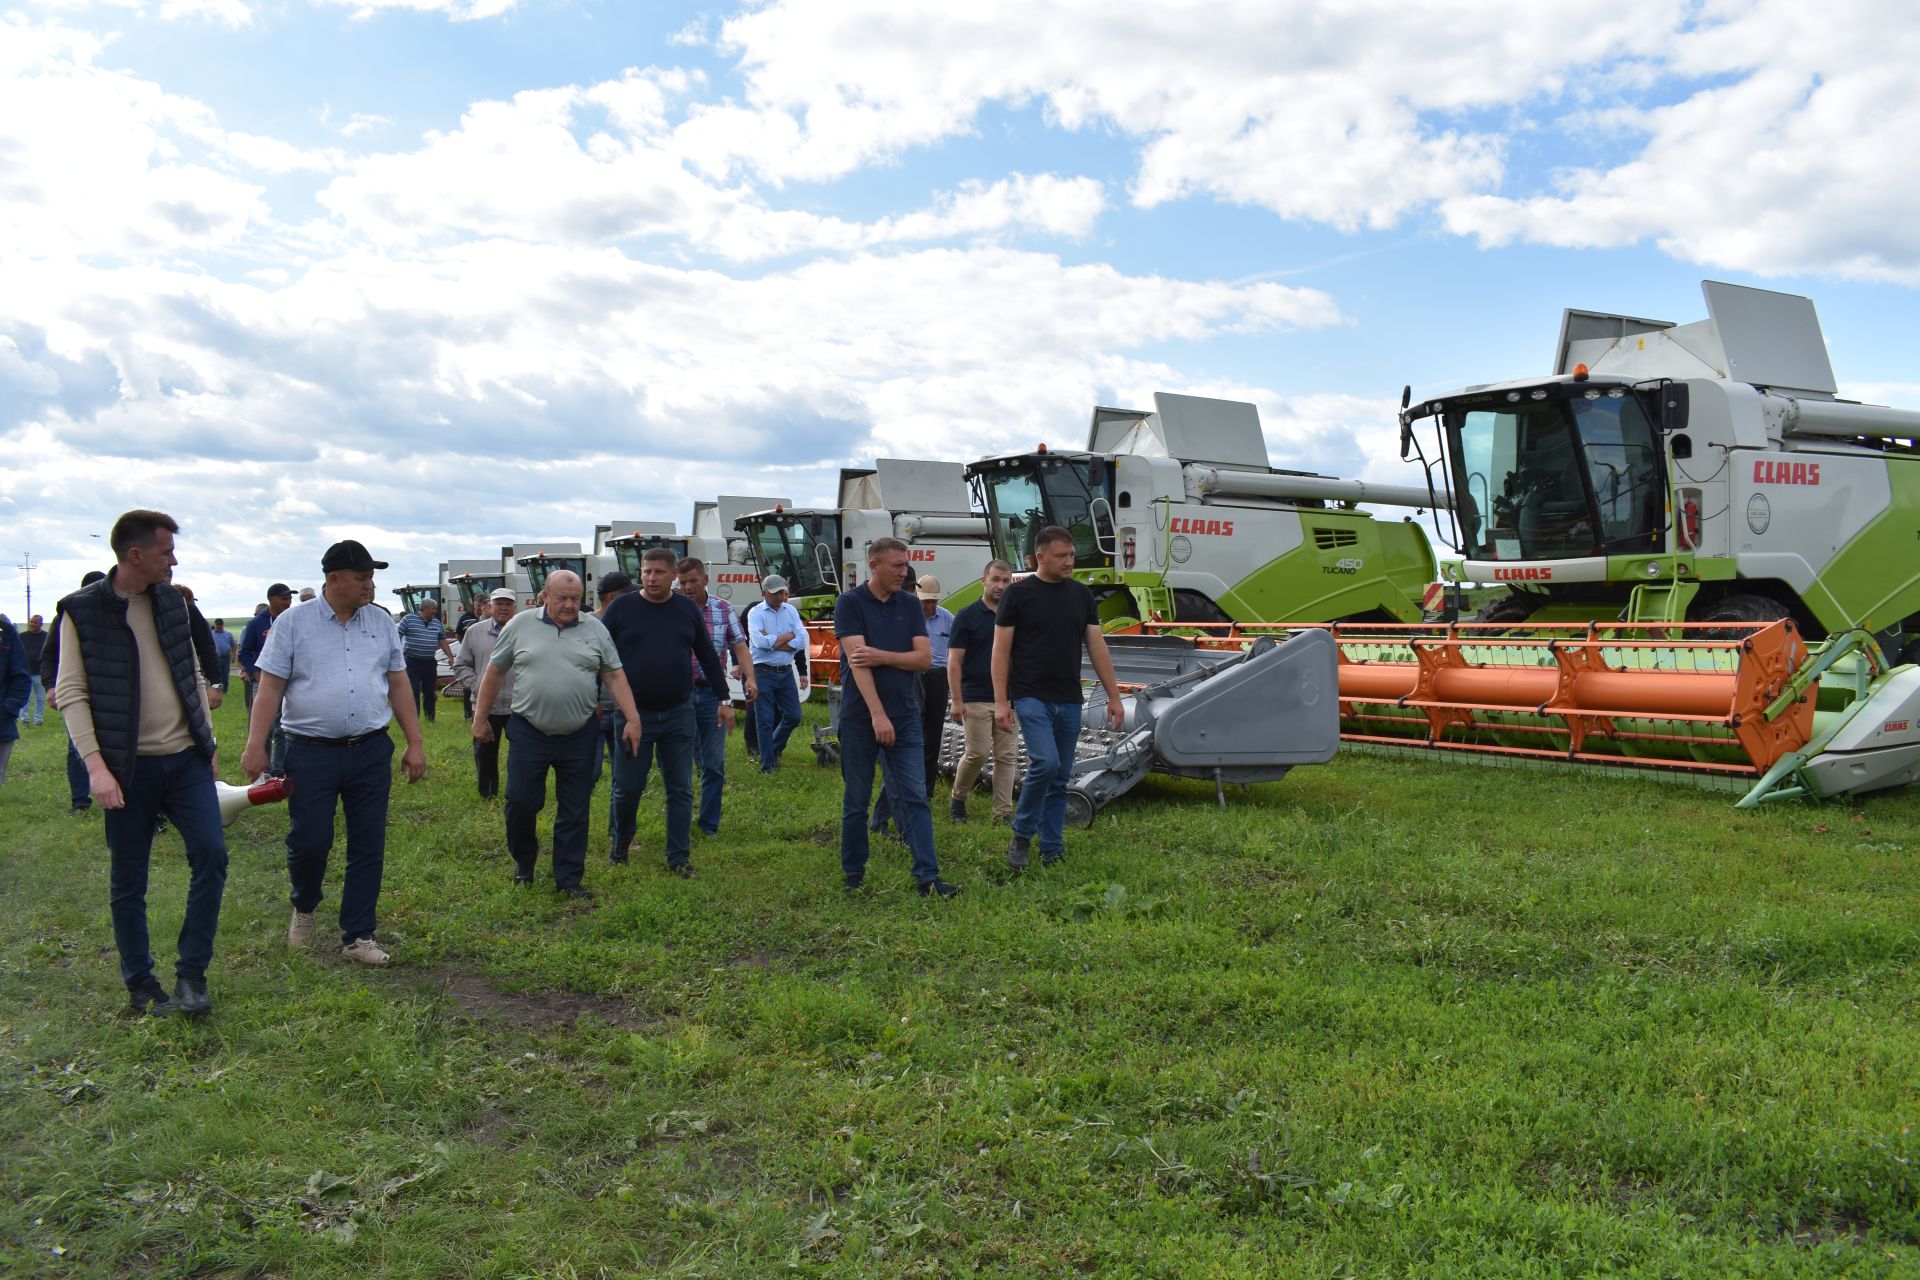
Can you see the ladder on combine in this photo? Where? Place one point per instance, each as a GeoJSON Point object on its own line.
{"type": "Point", "coordinates": [1748, 705]}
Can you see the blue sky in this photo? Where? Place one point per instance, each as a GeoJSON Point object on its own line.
{"type": "Point", "coordinates": [441, 274]}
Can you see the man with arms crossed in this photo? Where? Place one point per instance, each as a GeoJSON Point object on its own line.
{"type": "Point", "coordinates": [662, 640]}
{"type": "Point", "coordinates": [1039, 628]}
{"type": "Point", "coordinates": [970, 684]}
{"type": "Point", "coordinates": [135, 703]}
{"type": "Point", "coordinates": [883, 648]}
{"type": "Point", "coordinates": [332, 675]}
{"type": "Point", "coordinates": [559, 658]}
{"type": "Point", "coordinates": [729, 639]}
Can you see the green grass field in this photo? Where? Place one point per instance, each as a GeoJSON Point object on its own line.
{"type": "Point", "coordinates": [1386, 1018]}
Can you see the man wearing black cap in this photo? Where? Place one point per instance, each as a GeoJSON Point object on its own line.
{"type": "Point", "coordinates": [252, 641]}
{"type": "Point", "coordinates": [338, 664]}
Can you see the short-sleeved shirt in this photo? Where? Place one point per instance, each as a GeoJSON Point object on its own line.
{"type": "Point", "coordinates": [420, 636]}
{"type": "Point", "coordinates": [1050, 621]}
{"type": "Point", "coordinates": [892, 624]}
{"type": "Point", "coordinates": [973, 636]}
{"type": "Point", "coordinates": [939, 634]}
{"type": "Point", "coordinates": [336, 672]}
{"type": "Point", "coordinates": [723, 628]}
{"type": "Point", "coordinates": [223, 644]}
{"type": "Point", "coordinates": [556, 670]}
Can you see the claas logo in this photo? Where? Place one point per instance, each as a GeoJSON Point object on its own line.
{"type": "Point", "coordinates": [1186, 524]}
{"type": "Point", "coordinates": [1769, 472]}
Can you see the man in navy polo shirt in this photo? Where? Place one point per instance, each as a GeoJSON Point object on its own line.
{"type": "Point", "coordinates": [883, 648]}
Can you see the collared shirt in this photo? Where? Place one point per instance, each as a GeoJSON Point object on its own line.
{"type": "Point", "coordinates": [419, 636]}
{"type": "Point", "coordinates": [336, 672]}
{"type": "Point", "coordinates": [476, 648]}
{"type": "Point", "coordinates": [222, 643]}
{"type": "Point", "coordinates": [940, 635]}
{"type": "Point", "coordinates": [556, 670]}
{"type": "Point", "coordinates": [723, 625]}
{"type": "Point", "coordinates": [764, 623]}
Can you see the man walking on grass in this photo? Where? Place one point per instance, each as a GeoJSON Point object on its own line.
{"type": "Point", "coordinates": [333, 676]}
{"type": "Point", "coordinates": [252, 641]}
{"type": "Point", "coordinates": [1038, 632]}
{"type": "Point", "coordinates": [424, 640]}
{"type": "Point", "coordinates": [729, 640]}
{"type": "Point", "coordinates": [33, 640]}
{"type": "Point", "coordinates": [970, 681]}
{"type": "Point", "coordinates": [16, 681]}
{"type": "Point", "coordinates": [662, 639]}
{"type": "Point", "coordinates": [775, 637]}
{"type": "Point", "coordinates": [559, 658]}
{"type": "Point", "coordinates": [476, 649]}
{"type": "Point", "coordinates": [883, 648]}
{"type": "Point", "coordinates": [135, 703]}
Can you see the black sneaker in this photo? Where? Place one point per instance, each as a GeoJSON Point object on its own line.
{"type": "Point", "coordinates": [856, 883]}
{"type": "Point", "coordinates": [682, 869]}
{"type": "Point", "coordinates": [1053, 859]}
{"type": "Point", "coordinates": [149, 999]}
{"type": "Point", "coordinates": [579, 892]}
{"type": "Point", "coordinates": [938, 888]}
{"type": "Point", "coordinates": [1017, 851]}
{"type": "Point", "coordinates": [957, 809]}
{"type": "Point", "coordinates": [190, 995]}
{"type": "Point", "coordinates": [618, 856]}
{"type": "Point", "coordinates": [522, 875]}
{"type": "Point", "coordinates": [80, 810]}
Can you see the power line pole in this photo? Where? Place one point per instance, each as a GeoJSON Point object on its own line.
{"type": "Point", "coordinates": [26, 568]}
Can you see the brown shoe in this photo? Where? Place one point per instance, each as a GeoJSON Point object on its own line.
{"type": "Point", "coordinates": [300, 931]}
{"type": "Point", "coordinates": [365, 951]}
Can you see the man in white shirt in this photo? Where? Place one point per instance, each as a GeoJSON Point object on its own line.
{"type": "Point", "coordinates": [334, 672]}
{"type": "Point", "coordinates": [775, 637]}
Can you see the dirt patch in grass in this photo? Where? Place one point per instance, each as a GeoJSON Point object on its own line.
{"type": "Point", "coordinates": [477, 997]}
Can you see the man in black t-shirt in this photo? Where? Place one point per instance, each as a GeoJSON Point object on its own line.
{"type": "Point", "coordinates": [883, 647]}
{"type": "Point", "coordinates": [1038, 631]}
{"type": "Point", "coordinates": [660, 634]}
{"type": "Point", "coordinates": [970, 694]}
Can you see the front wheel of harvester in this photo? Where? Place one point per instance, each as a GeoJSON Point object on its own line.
{"type": "Point", "coordinates": [1080, 809]}
{"type": "Point", "coordinates": [1742, 607]}
{"type": "Point", "coordinates": [1508, 608]}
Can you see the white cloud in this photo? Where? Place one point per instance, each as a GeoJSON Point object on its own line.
{"type": "Point", "coordinates": [458, 10]}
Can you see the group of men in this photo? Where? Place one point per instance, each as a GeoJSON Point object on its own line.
{"type": "Point", "coordinates": [328, 677]}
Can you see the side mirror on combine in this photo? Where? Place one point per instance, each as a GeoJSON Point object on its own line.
{"type": "Point", "coordinates": [1406, 428]}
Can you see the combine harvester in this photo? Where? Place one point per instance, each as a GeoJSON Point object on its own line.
{"type": "Point", "coordinates": [730, 567]}
{"type": "Point", "coordinates": [1710, 560]}
{"type": "Point", "coordinates": [548, 558]}
{"type": "Point", "coordinates": [822, 551]}
{"type": "Point", "coordinates": [1177, 516]}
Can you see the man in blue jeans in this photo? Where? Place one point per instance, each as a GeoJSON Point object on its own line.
{"type": "Point", "coordinates": [335, 668]}
{"type": "Point", "coordinates": [135, 703]}
{"type": "Point", "coordinates": [729, 640]}
{"type": "Point", "coordinates": [883, 650]}
{"type": "Point", "coordinates": [1037, 633]}
{"type": "Point", "coordinates": [775, 637]}
{"type": "Point", "coordinates": [661, 639]}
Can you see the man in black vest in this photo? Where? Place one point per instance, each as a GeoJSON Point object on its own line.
{"type": "Point", "coordinates": [135, 702]}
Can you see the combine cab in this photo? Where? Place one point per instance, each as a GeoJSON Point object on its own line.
{"type": "Point", "coordinates": [1176, 515]}
{"type": "Point", "coordinates": [1685, 473]}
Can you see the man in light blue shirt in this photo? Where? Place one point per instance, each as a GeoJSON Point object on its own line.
{"type": "Point", "coordinates": [775, 636]}
{"type": "Point", "coordinates": [338, 666]}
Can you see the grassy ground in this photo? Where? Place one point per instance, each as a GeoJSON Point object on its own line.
{"type": "Point", "coordinates": [1386, 1018]}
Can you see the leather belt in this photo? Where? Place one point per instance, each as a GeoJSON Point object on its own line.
{"type": "Point", "coordinates": [354, 741]}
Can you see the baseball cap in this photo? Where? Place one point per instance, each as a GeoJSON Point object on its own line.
{"type": "Point", "coordinates": [279, 589]}
{"type": "Point", "coordinates": [614, 580]}
{"type": "Point", "coordinates": [773, 584]}
{"type": "Point", "coordinates": [929, 588]}
{"type": "Point", "coordinates": [349, 555]}
{"type": "Point", "coordinates": [504, 593]}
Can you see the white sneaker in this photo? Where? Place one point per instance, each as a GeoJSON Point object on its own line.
{"type": "Point", "coordinates": [300, 931]}
{"type": "Point", "coordinates": [365, 951]}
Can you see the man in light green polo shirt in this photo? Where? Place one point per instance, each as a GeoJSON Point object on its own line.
{"type": "Point", "coordinates": [559, 658]}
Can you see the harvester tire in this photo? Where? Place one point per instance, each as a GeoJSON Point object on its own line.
{"type": "Point", "coordinates": [1506, 609]}
{"type": "Point", "coordinates": [1744, 607]}
{"type": "Point", "coordinates": [1080, 809]}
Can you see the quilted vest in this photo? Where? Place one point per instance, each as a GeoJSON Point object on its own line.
{"type": "Point", "coordinates": [113, 668]}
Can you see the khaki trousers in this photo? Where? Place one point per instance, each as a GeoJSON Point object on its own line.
{"type": "Point", "coordinates": [985, 738]}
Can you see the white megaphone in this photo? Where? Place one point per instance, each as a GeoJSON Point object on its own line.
{"type": "Point", "coordinates": [235, 801]}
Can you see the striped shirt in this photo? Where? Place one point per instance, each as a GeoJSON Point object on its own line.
{"type": "Point", "coordinates": [724, 626]}
{"type": "Point", "coordinates": [336, 673]}
{"type": "Point", "coordinates": [420, 636]}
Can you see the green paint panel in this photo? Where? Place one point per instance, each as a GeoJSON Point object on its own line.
{"type": "Point", "coordinates": [1874, 580]}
